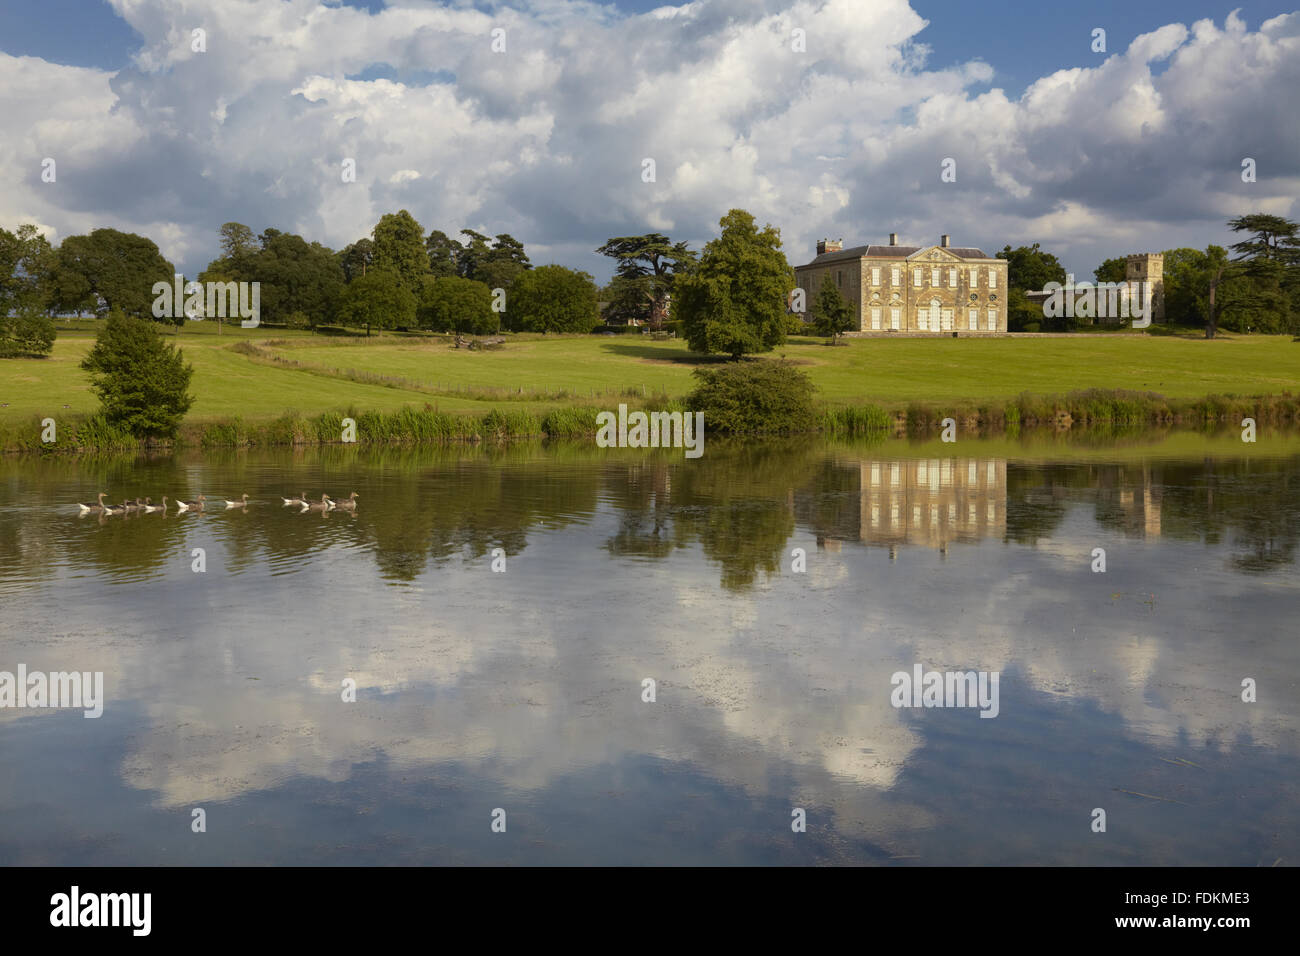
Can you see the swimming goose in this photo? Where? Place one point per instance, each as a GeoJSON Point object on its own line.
{"type": "Point", "coordinates": [149, 507]}
{"type": "Point", "coordinates": [243, 503]}
{"type": "Point", "coordinates": [191, 505]}
{"type": "Point", "coordinates": [115, 509]}
{"type": "Point", "coordinates": [325, 504]}
{"type": "Point", "coordinates": [349, 505]}
{"type": "Point", "coordinates": [97, 508]}
{"type": "Point", "coordinates": [302, 500]}
{"type": "Point", "coordinates": [129, 506]}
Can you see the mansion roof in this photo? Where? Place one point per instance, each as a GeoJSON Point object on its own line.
{"type": "Point", "coordinates": [891, 252]}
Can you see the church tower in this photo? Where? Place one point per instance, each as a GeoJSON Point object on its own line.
{"type": "Point", "coordinates": [1149, 267]}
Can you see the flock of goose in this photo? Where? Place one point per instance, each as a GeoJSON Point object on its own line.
{"type": "Point", "coordinates": [146, 505]}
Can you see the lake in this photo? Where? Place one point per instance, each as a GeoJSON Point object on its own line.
{"type": "Point", "coordinates": [772, 593]}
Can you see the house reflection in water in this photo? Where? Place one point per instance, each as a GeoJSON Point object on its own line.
{"type": "Point", "coordinates": [930, 502]}
{"type": "Point", "coordinates": [1139, 506]}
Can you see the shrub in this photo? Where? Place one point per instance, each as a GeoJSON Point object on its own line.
{"type": "Point", "coordinates": [754, 398]}
{"type": "Point", "coordinates": [142, 381]}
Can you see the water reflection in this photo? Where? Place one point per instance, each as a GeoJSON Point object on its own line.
{"type": "Point", "coordinates": [523, 689]}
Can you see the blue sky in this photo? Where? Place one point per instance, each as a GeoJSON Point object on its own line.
{"type": "Point", "coordinates": [1136, 149]}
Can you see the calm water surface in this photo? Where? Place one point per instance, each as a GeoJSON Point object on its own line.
{"type": "Point", "coordinates": [522, 690]}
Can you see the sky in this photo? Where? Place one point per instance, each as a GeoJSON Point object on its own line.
{"type": "Point", "coordinates": [840, 130]}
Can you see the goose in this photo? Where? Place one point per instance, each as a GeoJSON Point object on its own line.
{"type": "Point", "coordinates": [302, 500]}
{"type": "Point", "coordinates": [97, 508]}
{"type": "Point", "coordinates": [325, 504]}
{"type": "Point", "coordinates": [242, 503]}
{"type": "Point", "coordinates": [149, 507]}
{"type": "Point", "coordinates": [129, 506]}
{"type": "Point", "coordinates": [115, 509]}
{"type": "Point", "coordinates": [349, 505]}
{"type": "Point", "coordinates": [191, 505]}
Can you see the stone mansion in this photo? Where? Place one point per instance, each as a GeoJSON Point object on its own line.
{"type": "Point", "coordinates": [936, 290]}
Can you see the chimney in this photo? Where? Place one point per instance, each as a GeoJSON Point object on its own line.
{"type": "Point", "coordinates": [943, 240]}
{"type": "Point", "coordinates": [829, 245]}
{"type": "Point", "coordinates": [893, 238]}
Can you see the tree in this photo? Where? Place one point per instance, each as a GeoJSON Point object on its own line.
{"type": "Point", "coordinates": [453, 304]}
{"type": "Point", "coordinates": [832, 315]}
{"type": "Point", "coordinates": [356, 259]}
{"type": "Point", "coordinates": [1185, 284]}
{"type": "Point", "coordinates": [379, 300]}
{"type": "Point", "coordinates": [237, 241]}
{"type": "Point", "coordinates": [1273, 238]}
{"type": "Point", "coordinates": [399, 248]}
{"type": "Point", "coordinates": [142, 381]}
{"type": "Point", "coordinates": [1029, 268]}
{"type": "Point", "coordinates": [297, 276]}
{"type": "Point", "coordinates": [626, 300]}
{"type": "Point", "coordinates": [472, 254]}
{"type": "Point", "coordinates": [647, 265]}
{"type": "Point", "coordinates": [1111, 270]}
{"type": "Point", "coordinates": [734, 300]}
{"type": "Point", "coordinates": [1252, 296]}
{"type": "Point", "coordinates": [293, 275]}
{"type": "Point", "coordinates": [25, 331]}
{"type": "Point", "coordinates": [1212, 273]}
{"type": "Point", "coordinates": [443, 252]}
{"type": "Point", "coordinates": [552, 299]}
{"type": "Point", "coordinates": [27, 264]}
{"type": "Point", "coordinates": [108, 269]}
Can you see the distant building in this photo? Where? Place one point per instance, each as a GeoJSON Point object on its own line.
{"type": "Point", "coordinates": [1101, 303]}
{"type": "Point", "coordinates": [933, 290]}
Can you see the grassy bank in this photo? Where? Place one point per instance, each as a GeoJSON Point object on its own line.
{"type": "Point", "coordinates": [272, 372]}
{"type": "Point", "coordinates": [284, 387]}
{"type": "Point", "coordinates": [1113, 410]}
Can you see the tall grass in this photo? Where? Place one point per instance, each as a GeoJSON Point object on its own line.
{"type": "Point", "coordinates": [1118, 412]}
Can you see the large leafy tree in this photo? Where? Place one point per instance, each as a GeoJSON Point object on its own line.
{"type": "Point", "coordinates": [377, 300]}
{"type": "Point", "coordinates": [399, 249]}
{"type": "Point", "coordinates": [293, 275]}
{"type": "Point", "coordinates": [646, 265]}
{"type": "Point", "coordinates": [1029, 269]}
{"type": "Point", "coordinates": [1111, 270]}
{"type": "Point", "coordinates": [26, 331]}
{"type": "Point", "coordinates": [237, 241]}
{"type": "Point", "coordinates": [552, 299]}
{"type": "Point", "coordinates": [832, 315]}
{"type": "Point", "coordinates": [107, 269]}
{"type": "Point", "coordinates": [734, 300]}
{"type": "Point", "coordinates": [27, 265]}
{"type": "Point", "coordinates": [453, 304]}
{"type": "Point", "coordinates": [142, 381]}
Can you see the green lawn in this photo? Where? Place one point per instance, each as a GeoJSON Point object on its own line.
{"type": "Point", "coordinates": [533, 369]}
